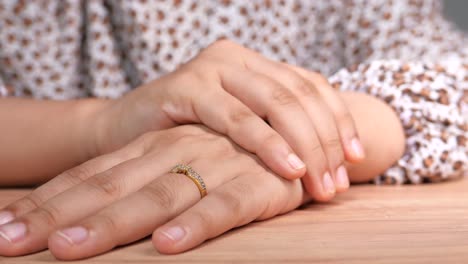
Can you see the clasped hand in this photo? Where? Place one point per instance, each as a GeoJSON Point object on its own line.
{"type": "Point", "coordinates": [233, 91]}
{"type": "Point", "coordinates": [264, 124]}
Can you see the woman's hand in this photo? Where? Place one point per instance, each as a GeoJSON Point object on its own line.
{"type": "Point", "coordinates": [232, 90]}
{"type": "Point", "coordinates": [126, 195]}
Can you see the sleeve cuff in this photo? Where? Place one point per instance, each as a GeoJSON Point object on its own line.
{"type": "Point", "coordinates": [431, 101]}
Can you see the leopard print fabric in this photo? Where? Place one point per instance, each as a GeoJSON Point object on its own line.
{"type": "Point", "coordinates": [402, 51]}
{"type": "Point", "coordinates": [429, 98]}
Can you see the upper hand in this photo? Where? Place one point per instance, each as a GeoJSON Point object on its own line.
{"type": "Point", "coordinates": [126, 195]}
{"type": "Point", "coordinates": [232, 90]}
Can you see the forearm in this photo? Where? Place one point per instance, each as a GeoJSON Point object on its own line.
{"type": "Point", "coordinates": [381, 133]}
{"type": "Point", "coordinates": [40, 139]}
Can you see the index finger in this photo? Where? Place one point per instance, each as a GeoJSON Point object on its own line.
{"type": "Point", "coordinates": [65, 181]}
{"type": "Point", "coordinates": [354, 151]}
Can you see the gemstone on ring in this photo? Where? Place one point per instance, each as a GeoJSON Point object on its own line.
{"type": "Point", "coordinates": [193, 175]}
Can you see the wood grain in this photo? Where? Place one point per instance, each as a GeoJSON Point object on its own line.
{"type": "Point", "coordinates": [368, 224]}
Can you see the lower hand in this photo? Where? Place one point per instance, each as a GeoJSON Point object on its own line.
{"type": "Point", "coordinates": [128, 194]}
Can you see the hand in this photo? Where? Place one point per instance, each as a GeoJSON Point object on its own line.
{"type": "Point", "coordinates": [126, 195]}
{"type": "Point", "coordinates": [231, 90]}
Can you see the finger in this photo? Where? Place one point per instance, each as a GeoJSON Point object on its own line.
{"type": "Point", "coordinates": [315, 107]}
{"type": "Point", "coordinates": [29, 233]}
{"type": "Point", "coordinates": [63, 182]}
{"type": "Point", "coordinates": [322, 117]}
{"type": "Point", "coordinates": [233, 204]}
{"type": "Point", "coordinates": [328, 132]}
{"type": "Point", "coordinates": [285, 113]}
{"type": "Point", "coordinates": [347, 128]}
{"type": "Point", "coordinates": [250, 131]}
{"type": "Point", "coordinates": [138, 215]}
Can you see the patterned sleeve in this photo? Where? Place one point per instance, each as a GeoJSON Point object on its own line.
{"type": "Point", "coordinates": [408, 55]}
{"type": "Point", "coordinates": [401, 29]}
{"type": "Point", "coordinates": [432, 103]}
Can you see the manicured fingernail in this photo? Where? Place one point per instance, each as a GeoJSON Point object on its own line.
{"type": "Point", "coordinates": [328, 184]}
{"type": "Point", "coordinates": [6, 217]}
{"type": "Point", "coordinates": [357, 148]}
{"type": "Point", "coordinates": [13, 232]}
{"type": "Point", "coordinates": [173, 233]}
{"type": "Point", "coordinates": [74, 235]}
{"type": "Point", "coordinates": [342, 180]}
{"type": "Point", "coordinates": [295, 162]}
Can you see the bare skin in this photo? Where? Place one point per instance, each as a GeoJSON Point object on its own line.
{"type": "Point", "coordinates": [227, 88]}
{"type": "Point", "coordinates": [134, 179]}
{"type": "Point", "coordinates": [61, 144]}
{"type": "Point", "coordinates": [112, 156]}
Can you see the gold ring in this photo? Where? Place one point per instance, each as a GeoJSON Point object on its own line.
{"type": "Point", "coordinates": [193, 175]}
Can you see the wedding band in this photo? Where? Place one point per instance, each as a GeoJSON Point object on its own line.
{"type": "Point", "coordinates": [193, 175]}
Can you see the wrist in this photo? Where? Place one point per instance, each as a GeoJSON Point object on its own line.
{"type": "Point", "coordinates": [90, 126]}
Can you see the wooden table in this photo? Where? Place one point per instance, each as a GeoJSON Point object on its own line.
{"type": "Point", "coordinates": [368, 224]}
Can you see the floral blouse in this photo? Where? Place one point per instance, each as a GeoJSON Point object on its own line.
{"type": "Point", "coordinates": [402, 51]}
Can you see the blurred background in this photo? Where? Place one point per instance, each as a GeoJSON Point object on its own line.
{"type": "Point", "coordinates": [457, 11]}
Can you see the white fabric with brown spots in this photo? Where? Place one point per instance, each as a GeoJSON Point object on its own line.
{"type": "Point", "coordinates": [402, 51]}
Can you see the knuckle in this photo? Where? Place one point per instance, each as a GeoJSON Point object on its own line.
{"type": "Point", "coordinates": [32, 200]}
{"type": "Point", "coordinates": [231, 200]}
{"type": "Point", "coordinates": [180, 135]}
{"type": "Point", "coordinates": [176, 133]}
{"type": "Point", "coordinates": [78, 174]}
{"type": "Point", "coordinates": [222, 44]}
{"type": "Point", "coordinates": [162, 194]}
{"type": "Point", "coordinates": [191, 72]}
{"type": "Point", "coordinates": [333, 144]}
{"type": "Point", "coordinates": [315, 149]}
{"type": "Point", "coordinates": [269, 210]}
{"type": "Point", "coordinates": [48, 214]}
{"type": "Point", "coordinates": [149, 140]}
{"type": "Point", "coordinates": [239, 115]}
{"type": "Point", "coordinates": [283, 97]}
{"type": "Point", "coordinates": [106, 185]}
{"type": "Point", "coordinates": [297, 84]}
{"type": "Point", "coordinates": [108, 223]}
{"type": "Point", "coordinates": [204, 219]}
{"type": "Point", "coordinates": [183, 133]}
{"type": "Point", "coordinates": [322, 80]}
{"type": "Point", "coordinates": [270, 140]}
{"type": "Point", "coordinates": [223, 147]}
{"type": "Point", "coordinates": [304, 89]}
{"type": "Point", "coordinates": [344, 118]}
{"type": "Point", "coordinates": [215, 52]}
{"type": "Point", "coordinates": [186, 131]}
{"type": "Point", "coordinates": [334, 150]}
{"type": "Point", "coordinates": [273, 204]}
{"type": "Point", "coordinates": [318, 78]}
{"type": "Point", "coordinates": [26, 203]}
{"type": "Point", "coordinates": [243, 199]}
{"type": "Point", "coordinates": [146, 140]}
{"type": "Point", "coordinates": [236, 195]}
{"type": "Point", "coordinates": [184, 140]}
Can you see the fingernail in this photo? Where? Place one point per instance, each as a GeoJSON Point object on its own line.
{"type": "Point", "coordinates": [295, 162]}
{"type": "Point", "coordinates": [13, 232]}
{"type": "Point", "coordinates": [357, 148]}
{"type": "Point", "coordinates": [174, 233]}
{"type": "Point", "coordinates": [328, 184]}
{"type": "Point", "coordinates": [6, 216]}
{"type": "Point", "coordinates": [74, 235]}
{"type": "Point", "coordinates": [342, 179]}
